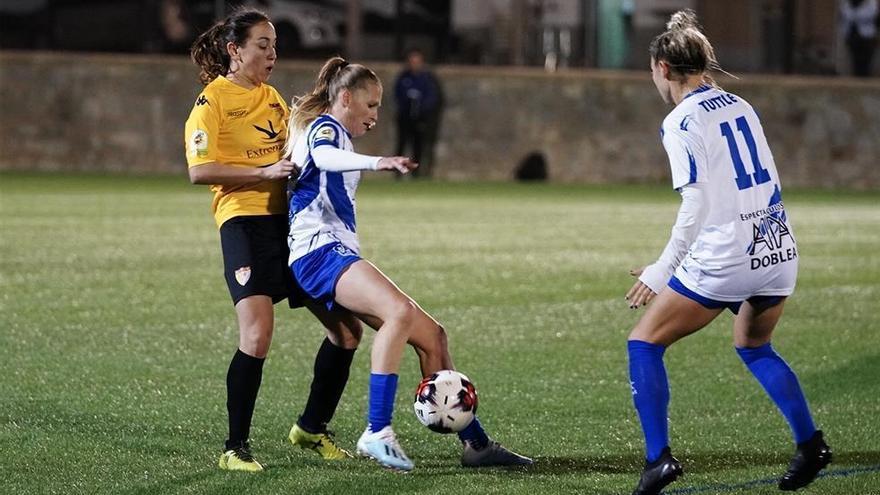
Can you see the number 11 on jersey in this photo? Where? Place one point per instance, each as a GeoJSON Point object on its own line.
{"type": "Point", "coordinates": [743, 179]}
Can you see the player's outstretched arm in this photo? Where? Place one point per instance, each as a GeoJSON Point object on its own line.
{"type": "Point", "coordinates": [336, 160]}
{"type": "Point", "coordinates": [400, 163]}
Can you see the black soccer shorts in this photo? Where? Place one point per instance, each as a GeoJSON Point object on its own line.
{"type": "Point", "coordinates": [255, 256]}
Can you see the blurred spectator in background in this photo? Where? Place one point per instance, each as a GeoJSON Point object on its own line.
{"type": "Point", "coordinates": [419, 100]}
{"type": "Point", "coordinates": [177, 33]}
{"type": "Point", "coordinates": [859, 26]}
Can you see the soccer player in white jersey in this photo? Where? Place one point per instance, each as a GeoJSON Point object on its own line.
{"type": "Point", "coordinates": [343, 289]}
{"type": "Point", "coordinates": [732, 247]}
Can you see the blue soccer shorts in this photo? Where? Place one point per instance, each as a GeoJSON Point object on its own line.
{"type": "Point", "coordinates": [762, 301]}
{"type": "Point", "coordinates": [318, 271]}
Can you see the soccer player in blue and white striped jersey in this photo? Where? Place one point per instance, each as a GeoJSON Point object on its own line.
{"type": "Point", "coordinates": [343, 289]}
{"type": "Point", "coordinates": [732, 247]}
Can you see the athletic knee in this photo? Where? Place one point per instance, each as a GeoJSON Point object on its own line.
{"type": "Point", "coordinates": [404, 314]}
{"type": "Point", "coordinates": [254, 340]}
{"type": "Point", "coordinates": [255, 324]}
{"type": "Point", "coordinates": [645, 334]}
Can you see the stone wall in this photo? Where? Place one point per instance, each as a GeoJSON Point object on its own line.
{"type": "Point", "coordinates": [115, 113]}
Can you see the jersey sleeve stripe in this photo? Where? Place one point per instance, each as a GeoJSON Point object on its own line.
{"type": "Point", "coordinates": [693, 167]}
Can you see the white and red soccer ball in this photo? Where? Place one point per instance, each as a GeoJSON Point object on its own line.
{"type": "Point", "coordinates": [446, 401]}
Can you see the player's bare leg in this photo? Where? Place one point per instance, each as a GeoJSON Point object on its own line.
{"type": "Point", "coordinates": [754, 324]}
{"type": "Point", "coordinates": [671, 317]}
{"type": "Point", "coordinates": [428, 339]}
{"type": "Point", "coordinates": [375, 300]}
{"type": "Point", "coordinates": [364, 290]}
{"type": "Point", "coordinates": [256, 321]}
{"type": "Point", "coordinates": [367, 292]}
{"type": "Point", "coordinates": [430, 343]}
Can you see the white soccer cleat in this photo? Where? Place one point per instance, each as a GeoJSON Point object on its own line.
{"type": "Point", "coordinates": [382, 447]}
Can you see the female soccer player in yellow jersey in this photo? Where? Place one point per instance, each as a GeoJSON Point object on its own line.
{"type": "Point", "coordinates": [234, 139]}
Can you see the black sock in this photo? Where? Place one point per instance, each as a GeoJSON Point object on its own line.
{"type": "Point", "coordinates": [242, 384]}
{"type": "Point", "coordinates": [332, 365]}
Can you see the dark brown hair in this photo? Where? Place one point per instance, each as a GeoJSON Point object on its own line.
{"type": "Point", "coordinates": [684, 47]}
{"type": "Point", "coordinates": [209, 49]}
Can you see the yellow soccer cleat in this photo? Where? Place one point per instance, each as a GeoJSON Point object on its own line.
{"type": "Point", "coordinates": [322, 443]}
{"type": "Point", "coordinates": [240, 459]}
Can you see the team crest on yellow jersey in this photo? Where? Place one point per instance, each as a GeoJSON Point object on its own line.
{"type": "Point", "coordinates": [198, 143]}
{"type": "Point", "coordinates": [242, 275]}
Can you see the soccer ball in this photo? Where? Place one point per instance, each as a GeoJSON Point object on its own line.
{"type": "Point", "coordinates": [446, 401]}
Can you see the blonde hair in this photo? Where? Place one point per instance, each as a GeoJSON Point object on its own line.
{"type": "Point", "coordinates": [336, 75]}
{"type": "Point", "coordinates": [685, 48]}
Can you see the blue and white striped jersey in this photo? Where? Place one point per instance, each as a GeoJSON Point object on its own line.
{"type": "Point", "coordinates": [322, 206]}
{"type": "Point", "coordinates": [746, 245]}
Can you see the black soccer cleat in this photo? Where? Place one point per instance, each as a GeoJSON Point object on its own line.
{"type": "Point", "coordinates": [493, 455]}
{"type": "Point", "coordinates": [658, 474]}
{"type": "Point", "coordinates": [809, 458]}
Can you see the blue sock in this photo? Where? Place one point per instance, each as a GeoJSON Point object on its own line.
{"type": "Point", "coordinates": [382, 391]}
{"type": "Point", "coordinates": [781, 384]}
{"type": "Point", "coordinates": [650, 390]}
{"type": "Point", "coordinates": [474, 435]}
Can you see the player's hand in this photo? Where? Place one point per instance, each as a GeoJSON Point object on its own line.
{"type": "Point", "coordinates": [400, 163]}
{"type": "Point", "coordinates": [639, 294]}
{"type": "Point", "coordinates": [280, 170]}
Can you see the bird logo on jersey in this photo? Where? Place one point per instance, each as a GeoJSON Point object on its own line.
{"type": "Point", "coordinates": [270, 133]}
{"type": "Point", "coordinates": [242, 275]}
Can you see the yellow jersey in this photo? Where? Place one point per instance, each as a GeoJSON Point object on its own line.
{"type": "Point", "coordinates": [234, 126]}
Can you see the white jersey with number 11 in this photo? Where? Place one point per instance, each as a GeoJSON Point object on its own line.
{"type": "Point", "coordinates": [746, 246]}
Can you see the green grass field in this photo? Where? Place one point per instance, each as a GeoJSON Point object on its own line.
{"type": "Point", "coordinates": [116, 331]}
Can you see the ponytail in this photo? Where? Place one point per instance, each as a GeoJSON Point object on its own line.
{"type": "Point", "coordinates": [209, 50]}
{"type": "Point", "coordinates": [209, 53]}
{"type": "Point", "coordinates": [683, 19]}
{"type": "Point", "coordinates": [685, 48]}
{"type": "Point", "coordinates": [308, 107]}
{"type": "Point", "coordinates": [336, 75]}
